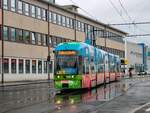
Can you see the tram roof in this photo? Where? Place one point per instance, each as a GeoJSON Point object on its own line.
{"type": "Point", "coordinates": [71, 46]}
{"type": "Point", "coordinates": [76, 46]}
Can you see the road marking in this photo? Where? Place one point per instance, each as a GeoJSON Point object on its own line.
{"type": "Point", "coordinates": [147, 110]}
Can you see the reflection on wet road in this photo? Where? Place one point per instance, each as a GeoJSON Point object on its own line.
{"type": "Point", "coordinates": [41, 98]}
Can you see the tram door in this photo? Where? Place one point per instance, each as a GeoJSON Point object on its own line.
{"type": "Point", "coordinates": [93, 73]}
{"type": "Point", "coordinates": [106, 68]}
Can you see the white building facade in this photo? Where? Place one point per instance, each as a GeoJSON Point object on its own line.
{"type": "Point", "coordinates": [148, 60]}
{"type": "Point", "coordinates": [134, 56]}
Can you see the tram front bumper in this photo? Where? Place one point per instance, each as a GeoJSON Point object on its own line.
{"type": "Point", "coordinates": [67, 84]}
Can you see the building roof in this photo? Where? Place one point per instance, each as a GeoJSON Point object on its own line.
{"type": "Point", "coordinates": [83, 16]}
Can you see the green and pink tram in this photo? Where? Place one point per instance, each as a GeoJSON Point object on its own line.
{"type": "Point", "coordinates": [80, 65]}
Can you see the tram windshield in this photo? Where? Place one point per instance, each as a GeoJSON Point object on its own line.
{"type": "Point", "coordinates": [66, 64]}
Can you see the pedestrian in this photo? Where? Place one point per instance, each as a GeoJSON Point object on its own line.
{"type": "Point", "coordinates": [130, 72]}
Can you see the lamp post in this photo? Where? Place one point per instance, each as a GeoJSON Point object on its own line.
{"type": "Point", "coordinates": [2, 80]}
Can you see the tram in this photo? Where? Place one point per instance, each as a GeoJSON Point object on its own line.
{"type": "Point", "coordinates": [80, 65]}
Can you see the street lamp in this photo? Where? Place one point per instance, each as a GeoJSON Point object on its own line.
{"type": "Point", "coordinates": [2, 79]}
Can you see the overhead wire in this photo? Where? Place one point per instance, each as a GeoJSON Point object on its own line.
{"type": "Point", "coordinates": [118, 12]}
{"type": "Point", "coordinates": [130, 18]}
{"type": "Point", "coordinates": [83, 9]}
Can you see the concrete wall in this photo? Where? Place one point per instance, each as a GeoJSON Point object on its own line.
{"type": "Point", "coordinates": [61, 31]}
{"type": "Point", "coordinates": [25, 22]}
{"type": "Point", "coordinates": [24, 50]}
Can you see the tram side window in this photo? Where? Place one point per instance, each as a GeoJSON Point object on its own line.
{"type": "Point", "coordinates": [101, 65]}
{"type": "Point", "coordinates": [86, 67]}
{"type": "Point", "coordinates": [117, 67]}
{"type": "Point", "coordinates": [6, 65]}
{"type": "Point", "coordinates": [93, 71]}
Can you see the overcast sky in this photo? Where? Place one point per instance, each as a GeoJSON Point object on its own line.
{"type": "Point", "coordinates": [103, 11]}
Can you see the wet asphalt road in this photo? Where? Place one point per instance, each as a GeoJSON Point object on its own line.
{"type": "Point", "coordinates": [41, 98]}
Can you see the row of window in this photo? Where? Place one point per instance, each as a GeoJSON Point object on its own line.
{"type": "Point", "coordinates": [113, 51]}
{"type": "Point", "coordinates": [25, 9]}
{"type": "Point", "coordinates": [41, 13]}
{"type": "Point", "coordinates": [26, 66]}
{"type": "Point", "coordinates": [24, 36]}
{"type": "Point", "coordinates": [28, 37]}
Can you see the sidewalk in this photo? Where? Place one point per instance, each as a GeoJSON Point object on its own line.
{"type": "Point", "coordinates": [17, 83]}
{"type": "Point", "coordinates": [135, 100]}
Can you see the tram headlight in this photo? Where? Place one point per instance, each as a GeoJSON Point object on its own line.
{"type": "Point", "coordinates": [72, 101]}
{"type": "Point", "coordinates": [58, 102]}
{"type": "Point", "coordinates": [58, 76]}
{"type": "Point", "coordinates": [72, 76]}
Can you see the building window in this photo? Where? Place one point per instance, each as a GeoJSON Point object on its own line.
{"type": "Point", "coordinates": [33, 12]}
{"type": "Point", "coordinates": [39, 66]}
{"type": "Point", "coordinates": [44, 39]}
{"type": "Point", "coordinates": [79, 25]}
{"type": "Point", "coordinates": [26, 9]}
{"type": "Point", "coordinates": [59, 19]}
{"type": "Point", "coordinates": [20, 35]}
{"type": "Point", "coordinates": [54, 41]}
{"type": "Point", "coordinates": [82, 27]}
{"type": "Point", "coordinates": [33, 37]}
{"type": "Point", "coordinates": [54, 17]}
{"type": "Point", "coordinates": [13, 34]}
{"type": "Point", "coordinates": [26, 36]}
{"type": "Point", "coordinates": [13, 5]}
{"type": "Point", "coordinates": [20, 7]}
{"type": "Point", "coordinates": [50, 16]}
{"type": "Point", "coordinates": [27, 65]}
{"type": "Point", "coordinates": [58, 41]}
{"type": "Point", "coordinates": [33, 66]}
{"type": "Point", "coordinates": [45, 66]}
{"type": "Point", "coordinates": [5, 2]}
{"type": "Point", "coordinates": [6, 65]}
{"type": "Point", "coordinates": [63, 20]}
{"type": "Point", "coordinates": [5, 33]}
{"type": "Point", "coordinates": [20, 65]}
{"type": "Point", "coordinates": [39, 41]}
{"type": "Point", "coordinates": [49, 42]}
{"type": "Point", "coordinates": [38, 13]}
{"type": "Point", "coordinates": [13, 65]}
{"type": "Point", "coordinates": [71, 23]}
{"type": "Point", "coordinates": [68, 22]}
{"type": "Point", "coordinates": [43, 14]}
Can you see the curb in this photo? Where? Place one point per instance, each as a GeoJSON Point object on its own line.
{"type": "Point", "coordinates": [9, 84]}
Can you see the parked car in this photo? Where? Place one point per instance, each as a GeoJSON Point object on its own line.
{"type": "Point", "coordinates": [142, 73]}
